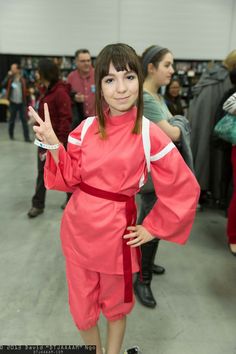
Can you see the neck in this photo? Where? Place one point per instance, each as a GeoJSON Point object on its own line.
{"type": "Point", "coordinates": [83, 74]}
{"type": "Point", "coordinates": [150, 86]}
{"type": "Point", "coordinates": [46, 83]}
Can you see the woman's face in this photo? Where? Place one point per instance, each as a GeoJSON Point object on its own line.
{"type": "Point", "coordinates": [120, 90]}
{"type": "Point", "coordinates": [163, 73]}
{"type": "Point", "coordinates": [174, 89]}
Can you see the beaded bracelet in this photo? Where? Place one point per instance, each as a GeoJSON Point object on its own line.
{"type": "Point", "coordinates": [46, 146]}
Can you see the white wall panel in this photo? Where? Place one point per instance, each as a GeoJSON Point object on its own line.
{"type": "Point", "coordinates": [57, 26]}
{"type": "Point", "coordinates": [190, 28]}
{"type": "Point", "coordinates": [194, 29]}
{"type": "Point", "coordinates": [232, 39]}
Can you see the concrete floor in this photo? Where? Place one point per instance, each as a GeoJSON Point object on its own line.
{"type": "Point", "coordinates": [196, 312]}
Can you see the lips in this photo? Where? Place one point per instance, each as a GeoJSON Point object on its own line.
{"type": "Point", "coordinates": [122, 98]}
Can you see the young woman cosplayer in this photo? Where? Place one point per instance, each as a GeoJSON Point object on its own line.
{"type": "Point", "coordinates": [104, 167]}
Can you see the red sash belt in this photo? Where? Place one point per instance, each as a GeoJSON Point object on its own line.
{"type": "Point", "coordinates": [131, 215]}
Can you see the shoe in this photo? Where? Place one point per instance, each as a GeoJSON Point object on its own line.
{"type": "Point", "coordinates": [157, 269]}
{"type": "Point", "coordinates": [33, 212]}
{"type": "Point", "coordinates": [133, 350]}
{"type": "Point", "coordinates": [28, 140]}
{"type": "Point", "coordinates": [143, 292]}
{"type": "Point", "coordinates": [11, 138]}
{"type": "Point", "coordinates": [232, 248]}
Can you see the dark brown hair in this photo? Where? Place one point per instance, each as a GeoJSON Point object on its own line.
{"type": "Point", "coordinates": [48, 71]}
{"type": "Point", "coordinates": [155, 59]}
{"type": "Point", "coordinates": [123, 57]}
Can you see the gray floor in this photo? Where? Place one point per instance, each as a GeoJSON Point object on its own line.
{"type": "Point", "coordinates": [196, 312]}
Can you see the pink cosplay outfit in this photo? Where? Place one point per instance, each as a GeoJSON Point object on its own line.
{"type": "Point", "coordinates": [92, 228]}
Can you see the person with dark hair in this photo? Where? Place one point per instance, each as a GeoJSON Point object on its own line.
{"type": "Point", "coordinates": [56, 95]}
{"type": "Point", "coordinates": [157, 63]}
{"type": "Point", "coordinates": [173, 98]}
{"type": "Point", "coordinates": [82, 86]}
{"type": "Point", "coordinates": [16, 92]}
{"type": "Point", "coordinates": [105, 165]}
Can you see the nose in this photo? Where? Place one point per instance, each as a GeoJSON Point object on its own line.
{"type": "Point", "coordinates": [121, 85]}
{"type": "Point", "coordinates": [172, 70]}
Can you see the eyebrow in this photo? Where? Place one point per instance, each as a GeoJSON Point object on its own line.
{"type": "Point", "coordinates": [126, 72]}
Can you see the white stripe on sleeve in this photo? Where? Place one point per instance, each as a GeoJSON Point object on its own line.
{"type": "Point", "coordinates": [163, 152]}
{"type": "Point", "coordinates": [74, 141]}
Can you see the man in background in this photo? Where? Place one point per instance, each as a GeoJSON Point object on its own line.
{"type": "Point", "coordinates": [82, 86]}
{"type": "Point", "coordinates": [16, 94]}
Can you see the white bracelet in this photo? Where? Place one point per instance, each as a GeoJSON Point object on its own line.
{"type": "Point", "coordinates": [46, 146]}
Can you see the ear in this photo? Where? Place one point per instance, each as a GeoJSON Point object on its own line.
{"type": "Point", "coordinates": [150, 68]}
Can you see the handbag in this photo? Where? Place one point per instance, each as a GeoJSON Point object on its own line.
{"type": "Point", "coordinates": [226, 128]}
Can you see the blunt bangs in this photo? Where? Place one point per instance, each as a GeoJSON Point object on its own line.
{"type": "Point", "coordinates": [123, 59]}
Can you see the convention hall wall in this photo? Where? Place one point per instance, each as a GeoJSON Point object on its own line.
{"type": "Point", "coordinates": [203, 29]}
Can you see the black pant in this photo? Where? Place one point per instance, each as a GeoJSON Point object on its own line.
{"type": "Point", "coordinates": [14, 108]}
{"type": "Point", "coordinates": [38, 200]}
{"type": "Point", "coordinates": [147, 202]}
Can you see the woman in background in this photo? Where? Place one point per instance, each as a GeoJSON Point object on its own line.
{"type": "Point", "coordinates": [157, 63]}
{"type": "Point", "coordinates": [173, 98]}
{"type": "Point", "coordinates": [56, 94]}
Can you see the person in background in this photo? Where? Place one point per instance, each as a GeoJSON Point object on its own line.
{"type": "Point", "coordinates": [157, 63]}
{"type": "Point", "coordinates": [16, 93]}
{"type": "Point", "coordinates": [82, 86]}
{"type": "Point", "coordinates": [223, 170]}
{"type": "Point", "coordinates": [173, 98]}
{"type": "Point", "coordinates": [57, 95]}
{"type": "Point", "coordinates": [104, 167]}
{"type": "Point", "coordinates": [230, 107]}
{"type": "Point", "coordinates": [207, 94]}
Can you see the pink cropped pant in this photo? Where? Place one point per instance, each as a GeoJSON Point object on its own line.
{"type": "Point", "coordinates": [91, 292]}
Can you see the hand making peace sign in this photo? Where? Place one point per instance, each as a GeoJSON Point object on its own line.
{"type": "Point", "coordinates": [44, 130]}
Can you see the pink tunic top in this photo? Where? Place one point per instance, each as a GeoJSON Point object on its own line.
{"type": "Point", "coordinates": [92, 227]}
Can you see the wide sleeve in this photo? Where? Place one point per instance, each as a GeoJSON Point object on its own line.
{"type": "Point", "coordinates": [176, 188]}
{"type": "Point", "coordinates": [65, 175]}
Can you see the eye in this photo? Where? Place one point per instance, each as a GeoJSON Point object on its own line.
{"type": "Point", "coordinates": [131, 77]}
{"type": "Point", "coordinates": [108, 80]}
